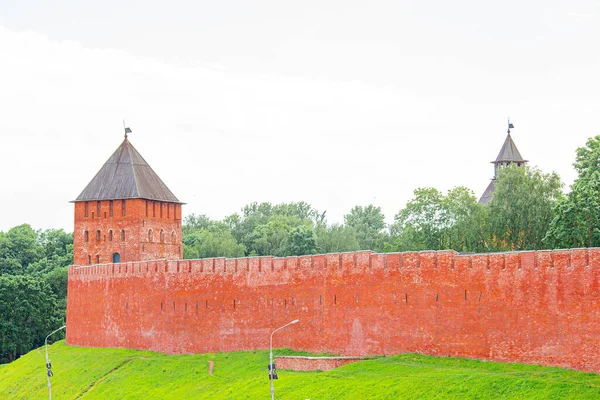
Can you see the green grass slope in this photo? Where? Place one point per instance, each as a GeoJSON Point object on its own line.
{"type": "Point", "coordinates": [82, 373]}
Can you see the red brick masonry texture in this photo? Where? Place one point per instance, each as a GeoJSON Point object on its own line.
{"type": "Point", "coordinates": [534, 307]}
{"type": "Point", "coordinates": [303, 363]}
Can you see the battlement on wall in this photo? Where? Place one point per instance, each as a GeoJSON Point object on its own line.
{"type": "Point", "coordinates": [350, 262]}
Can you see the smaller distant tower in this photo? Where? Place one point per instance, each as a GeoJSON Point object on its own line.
{"type": "Point", "coordinates": [509, 154]}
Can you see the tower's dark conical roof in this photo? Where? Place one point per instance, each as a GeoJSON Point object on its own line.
{"type": "Point", "coordinates": [509, 152]}
{"type": "Point", "coordinates": [126, 175]}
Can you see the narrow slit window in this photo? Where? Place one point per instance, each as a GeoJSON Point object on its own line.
{"type": "Point", "coordinates": [123, 208]}
{"type": "Point", "coordinates": [123, 235]}
{"type": "Point", "coordinates": [150, 235]}
{"type": "Point", "coordinates": [111, 208]}
{"type": "Point", "coordinates": [98, 236]}
{"type": "Point", "coordinates": [161, 209]}
{"type": "Point", "coordinates": [87, 209]}
{"type": "Point", "coordinates": [97, 259]}
{"type": "Point", "coordinates": [153, 209]}
{"type": "Point", "coordinates": [110, 236]}
{"type": "Point", "coordinates": [99, 209]}
{"type": "Point", "coordinates": [162, 236]}
{"type": "Point", "coordinates": [146, 208]}
{"type": "Point", "coordinates": [90, 260]}
{"type": "Point", "coordinates": [86, 236]}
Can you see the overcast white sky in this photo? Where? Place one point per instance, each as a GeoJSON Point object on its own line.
{"type": "Point", "coordinates": [337, 103]}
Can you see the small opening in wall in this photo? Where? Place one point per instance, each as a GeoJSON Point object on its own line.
{"type": "Point", "coordinates": [126, 305]}
{"type": "Point", "coordinates": [196, 307]}
{"type": "Point", "coordinates": [87, 210]}
{"type": "Point", "coordinates": [480, 293]}
{"type": "Point", "coordinates": [320, 299]}
{"type": "Point", "coordinates": [110, 236]}
{"type": "Point", "coordinates": [105, 214]}
{"type": "Point", "coordinates": [161, 306]}
{"type": "Point", "coordinates": [234, 304]}
{"type": "Point", "coordinates": [168, 211]}
{"type": "Point", "coordinates": [465, 295]}
{"type": "Point", "coordinates": [111, 208]}
{"type": "Point", "coordinates": [185, 307]}
{"type": "Point", "coordinates": [406, 297]}
{"type": "Point", "coordinates": [98, 208]}
{"type": "Point", "coordinates": [394, 297]}
{"type": "Point", "coordinates": [206, 304]}
{"type": "Point", "coordinates": [161, 209]}
{"type": "Point", "coordinates": [356, 298]}
{"type": "Point", "coordinates": [90, 260]}
{"type": "Point", "coordinates": [153, 209]}
{"type": "Point", "coordinates": [86, 236]}
{"type": "Point", "coordinates": [123, 235]}
{"type": "Point", "coordinates": [97, 259]}
{"type": "Point", "coordinates": [123, 209]}
{"type": "Point", "coordinates": [98, 236]}
{"type": "Point", "coordinates": [436, 297]}
{"type": "Point", "coordinates": [334, 299]}
{"type": "Point", "coordinates": [162, 236]}
{"type": "Point", "coordinates": [285, 303]}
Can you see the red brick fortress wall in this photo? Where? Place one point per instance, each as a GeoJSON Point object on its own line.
{"type": "Point", "coordinates": [536, 307]}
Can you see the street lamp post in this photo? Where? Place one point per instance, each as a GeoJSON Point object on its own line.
{"type": "Point", "coordinates": [48, 366]}
{"type": "Point", "coordinates": [271, 365]}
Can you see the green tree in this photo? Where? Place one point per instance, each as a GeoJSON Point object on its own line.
{"type": "Point", "coordinates": [336, 238]}
{"type": "Point", "coordinates": [28, 312]}
{"type": "Point", "coordinates": [521, 209]}
{"type": "Point", "coordinates": [18, 249]}
{"type": "Point", "coordinates": [302, 240]}
{"type": "Point", "coordinates": [434, 221]}
{"type": "Point", "coordinates": [369, 224]}
{"type": "Point", "coordinates": [214, 240]}
{"type": "Point", "coordinates": [576, 221]}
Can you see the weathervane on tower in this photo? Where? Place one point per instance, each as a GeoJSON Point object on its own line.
{"type": "Point", "coordinates": [126, 128]}
{"type": "Point", "coordinates": [509, 126]}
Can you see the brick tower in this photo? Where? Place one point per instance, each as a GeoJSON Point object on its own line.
{"type": "Point", "coordinates": [126, 213]}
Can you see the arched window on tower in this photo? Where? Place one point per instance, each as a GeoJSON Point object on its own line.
{"type": "Point", "coordinates": [99, 208]}
{"type": "Point", "coordinates": [97, 259]}
{"type": "Point", "coordinates": [162, 236]}
{"type": "Point", "coordinates": [90, 260]}
{"type": "Point", "coordinates": [123, 209]}
{"type": "Point", "coordinates": [110, 236]}
{"type": "Point", "coordinates": [123, 235]}
{"type": "Point", "coordinates": [86, 236]}
{"type": "Point", "coordinates": [87, 209]}
{"type": "Point", "coordinates": [98, 235]}
{"type": "Point", "coordinates": [173, 237]}
{"type": "Point", "coordinates": [116, 258]}
{"type": "Point", "coordinates": [111, 208]}
{"type": "Point", "coordinates": [150, 238]}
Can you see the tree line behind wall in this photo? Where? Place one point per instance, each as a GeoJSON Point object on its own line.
{"type": "Point", "coordinates": [528, 211]}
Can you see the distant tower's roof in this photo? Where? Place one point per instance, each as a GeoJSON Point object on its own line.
{"type": "Point", "coordinates": [509, 152]}
{"type": "Point", "coordinates": [126, 175]}
{"type": "Point", "coordinates": [486, 197]}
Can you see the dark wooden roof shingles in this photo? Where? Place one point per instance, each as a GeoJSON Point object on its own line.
{"type": "Point", "coordinates": [126, 175]}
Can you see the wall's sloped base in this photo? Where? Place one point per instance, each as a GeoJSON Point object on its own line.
{"type": "Point", "coordinates": [537, 307]}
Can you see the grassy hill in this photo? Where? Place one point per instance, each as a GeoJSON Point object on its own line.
{"type": "Point", "coordinates": [130, 374]}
